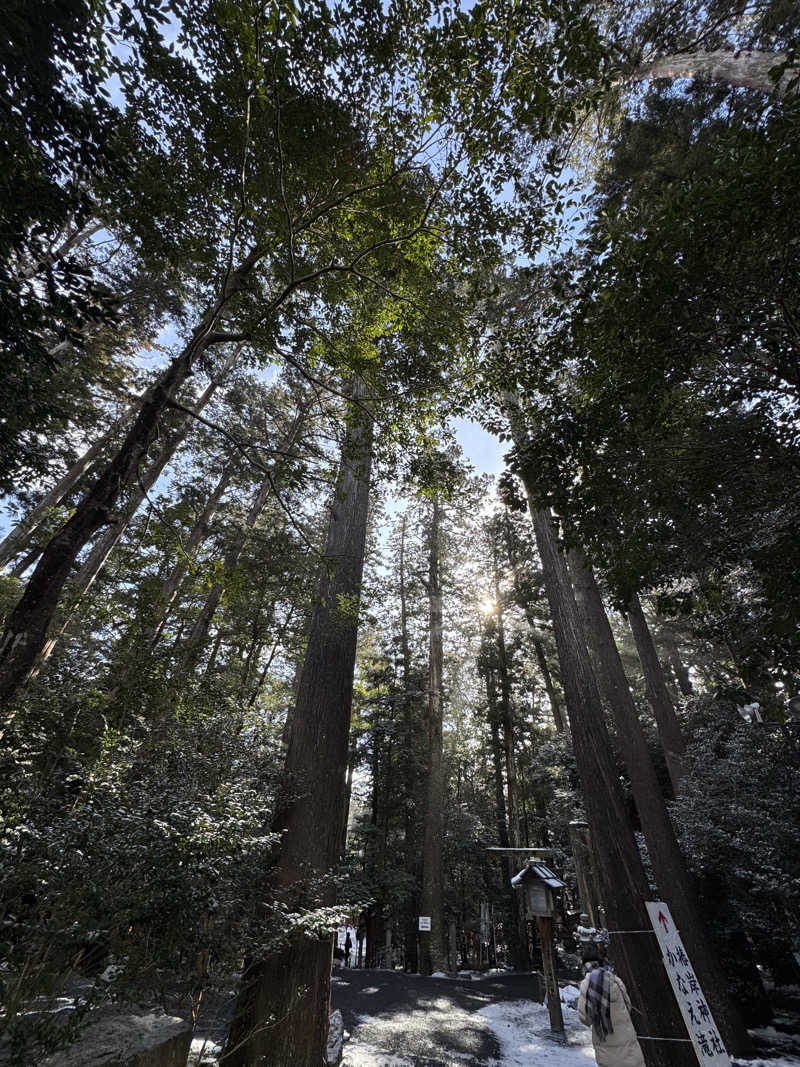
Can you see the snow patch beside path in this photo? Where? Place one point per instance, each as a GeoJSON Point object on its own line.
{"type": "Point", "coordinates": [359, 1054]}
{"type": "Point", "coordinates": [522, 1030]}
{"type": "Point", "coordinates": [570, 995]}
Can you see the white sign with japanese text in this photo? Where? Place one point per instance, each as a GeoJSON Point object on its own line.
{"type": "Point", "coordinates": [696, 1013]}
{"type": "Point", "coordinates": [424, 922]}
{"type": "Point", "coordinates": [341, 936]}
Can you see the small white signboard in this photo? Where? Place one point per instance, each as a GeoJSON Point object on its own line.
{"type": "Point", "coordinates": [341, 936]}
{"type": "Point", "coordinates": [696, 1013]}
{"type": "Point", "coordinates": [424, 922]}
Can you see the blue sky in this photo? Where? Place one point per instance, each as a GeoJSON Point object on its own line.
{"type": "Point", "coordinates": [482, 449]}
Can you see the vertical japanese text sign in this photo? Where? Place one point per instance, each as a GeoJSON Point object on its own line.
{"type": "Point", "coordinates": [696, 1013]}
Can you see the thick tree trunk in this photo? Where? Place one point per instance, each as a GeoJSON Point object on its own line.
{"type": "Point", "coordinates": [519, 935]}
{"type": "Point", "coordinates": [20, 534]}
{"type": "Point", "coordinates": [101, 551]}
{"type": "Point", "coordinates": [622, 880]}
{"type": "Point", "coordinates": [281, 1015]}
{"type": "Point", "coordinates": [433, 956]}
{"type": "Point", "coordinates": [410, 807]}
{"type": "Point", "coordinates": [585, 871]}
{"type": "Point", "coordinates": [503, 673]}
{"type": "Point", "coordinates": [518, 941]}
{"type": "Point", "coordinates": [27, 626]}
{"type": "Point", "coordinates": [541, 658]}
{"type": "Point", "coordinates": [673, 879]}
{"type": "Point", "coordinates": [744, 70]}
{"type": "Point", "coordinates": [669, 730]}
{"type": "Point", "coordinates": [497, 764]}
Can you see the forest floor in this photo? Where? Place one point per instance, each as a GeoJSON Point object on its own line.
{"type": "Point", "coordinates": [399, 1020]}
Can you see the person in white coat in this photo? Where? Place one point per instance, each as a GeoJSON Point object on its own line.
{"type": "Point", "coordinates": [604, 1005]}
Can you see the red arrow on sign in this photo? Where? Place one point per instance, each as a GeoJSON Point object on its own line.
{"type": "Point", "coordinates": [663, 920]}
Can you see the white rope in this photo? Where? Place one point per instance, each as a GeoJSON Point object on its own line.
{"type": "Point", "coordinates": [683, 1040]}
{"type": "Point", "coordinates": [631, 931]}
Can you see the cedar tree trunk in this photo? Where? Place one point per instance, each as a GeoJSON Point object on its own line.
{"type": "Point", "coordinates": [27, 625]}
{"type": "Point", "coordinates": [281, 1014]}
{"type": "Point", "coordinates": [432, 951]}
{"type": "Point", "coordinates": [623, 884]}
{"type": "Point", "coordinates": [669, 730]}
{"type": "Point", "coordinates": [671, 875]}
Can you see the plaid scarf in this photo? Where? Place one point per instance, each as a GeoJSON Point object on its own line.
{"type": "Point", "coordinates": [598, 1002]}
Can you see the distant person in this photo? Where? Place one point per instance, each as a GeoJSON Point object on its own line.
{"type": "Point", "coordinates": [604, 1005]}
{"type": "Point", "coordinates": [348, 948]}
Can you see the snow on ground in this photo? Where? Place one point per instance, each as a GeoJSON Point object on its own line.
{"type": "Point", "coordinates": [570, 995]}
{"type": "Point", "coordinates": [770, 1036]}
{"type": "Point", "coordinates": [782, 1061]}
{"type": "Point", "coordinates": [362, 1055]}
{"type": "Point", "coordinates": [522, 1029]}
{"type": "Point", "coordinates": [203, 1052]}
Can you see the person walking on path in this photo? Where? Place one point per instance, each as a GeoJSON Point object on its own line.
{"type": "Point", "coordinates": [348, 948]}
{"type": "Point", "coordinates": [604, 1005]}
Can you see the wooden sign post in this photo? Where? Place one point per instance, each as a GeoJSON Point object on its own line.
{"type": "Point", "coordinates": [699, 1021]}
{"type": "Point", "coordinates": [537, 883]}
{"type": "Point", "coordinates": [544, 924]}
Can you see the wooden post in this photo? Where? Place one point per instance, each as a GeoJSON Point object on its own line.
{"type": "Point", "coordinates": [545, 926]}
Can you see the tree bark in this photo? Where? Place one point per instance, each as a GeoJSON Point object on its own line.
{"type": "Point", "coordinates": [669, 730]}
{"type": "Point", "coordinates": [281, 1014]}
{"type": "Point", "coordinates": [623, 884]}
{"type": "Point", "coordinates": [410, 819]}
{"type": "Point", "coordinates": [27, 626]}
{"type": "Point", "coordinates": [670, 871]}
{"type": "Point", "coordinates": [538, 647]}
{"type": "Point", "coordinates": [519, 934]}
{"type": "Point", "coordinates": [20, 534]}
{"type": "Point", "coordinates": [518, 940]}
{"type": "Point", "coordinates": [743, 70]}
{"type": "Point", "coordinates": [503, 672]}
{"type": "Point", "coordinates": [433, 956]}
{"type": "Point", "coordinates": [585, 871]}
{"type": "Point", "coordinates": [100, 552]}
{"type": "Point", "coordinates": [497, 766]}
{"type": "Point", "coordinates": [552, 696]}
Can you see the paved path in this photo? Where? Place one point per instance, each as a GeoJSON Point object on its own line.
{"type": "Point", "coordinates": [395, 1018]}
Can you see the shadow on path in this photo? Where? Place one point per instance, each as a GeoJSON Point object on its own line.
{"type": "Point", "coordinates": [427, 1022]}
